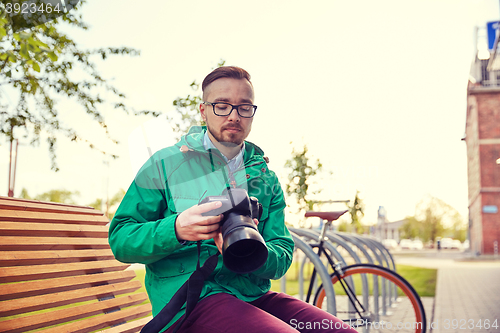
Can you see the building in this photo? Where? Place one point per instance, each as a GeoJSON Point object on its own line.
{"type": "Point", "coordinates": [482, 138]}
{"type": "Point", "coordinates": [385, 229]}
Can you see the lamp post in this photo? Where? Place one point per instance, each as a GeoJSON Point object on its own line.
{"type": "Point", "coordinates": [12, 168]}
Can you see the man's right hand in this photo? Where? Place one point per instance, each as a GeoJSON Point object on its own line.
{"type": "Point", "coordinates": [190, 225]}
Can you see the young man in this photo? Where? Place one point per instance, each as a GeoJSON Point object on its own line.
{"type": "Point", "coordinates": [159, 222]}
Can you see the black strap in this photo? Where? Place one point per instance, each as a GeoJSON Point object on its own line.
{"type": "Point", "coordinates": [188, 293]}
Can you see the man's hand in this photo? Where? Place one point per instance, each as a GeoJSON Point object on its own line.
{"type": "Point", "coordinates": [192, 226]}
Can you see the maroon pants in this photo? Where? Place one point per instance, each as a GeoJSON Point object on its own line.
{"type": "Point", "coordinates": [273, 312]}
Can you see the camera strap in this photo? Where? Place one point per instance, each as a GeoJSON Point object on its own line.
{"type": "Point", "coordinates": [188, 293]}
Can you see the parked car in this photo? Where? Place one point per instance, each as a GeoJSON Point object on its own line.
{"type": "Point", "coordinates": [390, 244]}
{"type": "Point", "coordinates": [417, 244]}
{"type": "Point", "coordinates": [456, 244]}
{"type": "Point", "coordinates": [449, 243]}
{"type": "Point", "coordinates": [405, 244]}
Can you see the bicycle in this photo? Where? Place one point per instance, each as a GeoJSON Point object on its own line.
{"type": "Point", "coordinates": [408, 316]}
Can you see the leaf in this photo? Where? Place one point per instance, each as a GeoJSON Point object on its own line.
{"type": "Point", "coordinates": [36, 67]}
{"type": "Point", "coordinates": [53, 56]}
{"type": "Point", "coordinates": [24, 51]}
{"type": "Point", "coordinates": [24, 35]}
{"type": "Point", "coordinates": [12, 56]}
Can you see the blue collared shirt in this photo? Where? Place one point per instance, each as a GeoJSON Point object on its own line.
{"type": "Point", "coordinates": [234, 163]}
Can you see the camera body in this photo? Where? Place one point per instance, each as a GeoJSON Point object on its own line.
{"type": "Point", "coordinates": [244, 250]}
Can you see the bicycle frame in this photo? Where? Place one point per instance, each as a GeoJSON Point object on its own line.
{"type": "Point", "coordinates": [337, 271]}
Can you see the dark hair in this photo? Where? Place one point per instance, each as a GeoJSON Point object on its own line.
{"type": "Point", "coordinates": [225, 71]}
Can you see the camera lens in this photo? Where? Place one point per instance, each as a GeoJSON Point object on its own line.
{"type": "Point", "coordinates": [243, 248]}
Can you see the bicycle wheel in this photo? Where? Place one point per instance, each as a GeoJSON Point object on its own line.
{"type": "Point", "coordinates": [389, 305]}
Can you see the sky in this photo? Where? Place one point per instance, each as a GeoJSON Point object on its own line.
{"type": "Point", "coordinates": [375, 89]}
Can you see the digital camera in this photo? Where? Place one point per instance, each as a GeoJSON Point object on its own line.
{"type": "Point", "coordinates": [244, 250]}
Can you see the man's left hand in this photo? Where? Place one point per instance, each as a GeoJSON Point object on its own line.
{"type": "Point", "coordinates": [219, 241]}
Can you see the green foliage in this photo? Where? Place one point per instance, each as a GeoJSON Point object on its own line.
{"type": "Point", "coordinates": [187, 113]}
{"type": "Point", "coordinates": [356, 210]}
{"type": "Point", "coordinates": [300, 178]}
{"type": "Point", "coordinates": [42, 63]}
{"type": "Point", "coordinates": [344, 226]}
{"type": "Point", "coordinates": [187, 110]}
{"type": "Point", "coordinates": [411, 228]}
{"type": "Point", "coordinates": [434, 218]}
{"type": "Point", "coordinates": [107, 206]}
{"type": "Point", "coordinates": [62, 196]}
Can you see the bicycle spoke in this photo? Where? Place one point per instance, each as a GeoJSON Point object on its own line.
{"type": "Point", "coordinates": [386, 310]}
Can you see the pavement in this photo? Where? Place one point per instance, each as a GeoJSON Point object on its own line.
{"type": "Point", "coordinates": [467, 290]}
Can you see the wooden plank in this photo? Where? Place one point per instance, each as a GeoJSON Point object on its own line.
{"type": "Point", "coordinates": [27, 258]}
{"type": "Point", "coordinates": [130, 327]}
{"type": "Point", "coordinates": [27, 216]}
{"type": "Point", "coordinates": [49, 286]}
{"type": "Point", "coordinates": [59, 316]}
{"type": "Point", "coordinates": [14, 243]}
{"type": "Point", "coordinates": [99, 322]}
{"type": "Point", "coordinates": [52, 230]}
{"type": "Point", "coordinates": [7, 203]}
{"type": "Point", "coordinates": [42, 302]}
{"type": "Point", "coordinates": [40, 272]}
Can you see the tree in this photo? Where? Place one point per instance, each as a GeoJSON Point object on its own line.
{"type": "Point", "coordinates": [107, 205]}
{"type": "Point", "coordinates": [187, 113]}
{"type": "Point", "coordinates": [411, 228]}
{"type": "Point", "coordinates": [356, 210]}
{"type": "Point", "coordinates": [63, 196]}
{"type": "Point", "coordinates": [39, 65]}
{"type": "Point", "coordinates": [300, 178]}
{"type": "Point", "coordinates": [434, 218]}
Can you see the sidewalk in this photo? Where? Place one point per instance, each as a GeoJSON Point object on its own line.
{"type": "Point", "coordinates": [467, 293]}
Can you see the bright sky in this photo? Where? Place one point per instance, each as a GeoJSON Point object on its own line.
{"type": "Point", "coordinates": [376, 89]}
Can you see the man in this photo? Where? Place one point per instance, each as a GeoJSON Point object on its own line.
{"type": "Point", "coordinates": [159, 222]}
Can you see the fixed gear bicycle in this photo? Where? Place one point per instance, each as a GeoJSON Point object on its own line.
{"type": "Point", "coordinates": [393, 311]}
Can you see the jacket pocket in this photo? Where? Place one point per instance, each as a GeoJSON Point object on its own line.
{"type": "Point", "coordinates": [180, 262]}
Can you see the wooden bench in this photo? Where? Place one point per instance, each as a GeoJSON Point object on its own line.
{"type": "Point", "coordinates": [57, 272]}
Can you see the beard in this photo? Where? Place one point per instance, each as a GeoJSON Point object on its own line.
{"type": "Point", "coordinates": [225, 138]}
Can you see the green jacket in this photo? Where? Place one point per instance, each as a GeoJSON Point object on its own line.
{"type": "Point", "coordinates": [143, 228]}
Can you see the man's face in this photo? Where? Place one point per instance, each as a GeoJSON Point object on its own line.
{"type": "Point", "coordinates": [228, 130]}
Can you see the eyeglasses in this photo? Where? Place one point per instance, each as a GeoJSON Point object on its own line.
{"type": "Point", "coordinates": [225, 109]}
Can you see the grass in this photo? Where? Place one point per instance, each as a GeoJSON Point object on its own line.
{"type": "Point", "coordinates": [423, 280]}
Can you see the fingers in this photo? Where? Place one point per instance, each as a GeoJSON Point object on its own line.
{"type": "Point", "coordinates": [206, 207]}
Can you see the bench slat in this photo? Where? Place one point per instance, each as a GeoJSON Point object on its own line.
{"type": "Point", "coordinates": [39, 272]}
{"type": "Point", "coordinates": [14, 243]}
{"type": "Point", "coordinates": [54, 230]}
{"type": "Point", "coordinates": [24, 216]}
{"type": "Point", "coordinates": [7, 203]}
{"type": "Point", "coordinates": [130, 327]}
{"type": "Point", "coordinates": [58, 273]}
{"type": "Point", "coordinates": [59, 316]}
{"type": "Point", "coordinates": [27, 258]}
{"type": "Point", "coordinates": [99, 322]}
{"type": "Point", "coordinates": [42, 302]}
{"type": "Point", "coordinates": [43, 287]}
